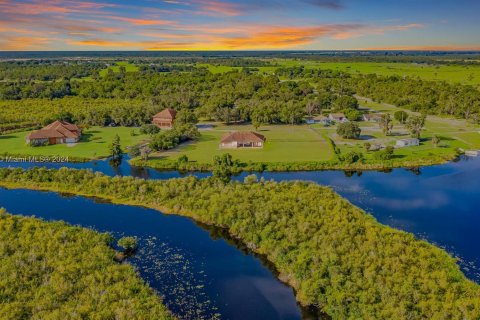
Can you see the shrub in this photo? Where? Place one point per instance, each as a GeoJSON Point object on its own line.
{"type": "Point", "coordinates": [352, 157]}
{"type": "Point", "coordinates": [149, 129]}
{"type": "Point", "coordinates": [385, 154]}
{"type": "Point", "coordinates": [129, 244]}
{"type": "Point", "coordinates": [352, 114]}
{"type": "Point", "coordinates": [349, 130]}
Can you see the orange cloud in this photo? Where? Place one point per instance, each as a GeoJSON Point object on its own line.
{"type": "Point", "coordinates": [23, 43]}
{"type": "Point", "coordinates": [135, 45]}
{"type": "Point", "coordinates": [215, 7]}
{"type": "Point", "coordinates": [406, 26]}
{"type": "Point", "coordinates": [86, 28]}
{"type": "Point", "coordinates": [141, 22]}
{"type": "Point", "coordinates": [256, 37]}
{"type": "Point", "coordinates": [277, 37]}
{"type": "Point", "coordinates": [374, 30]}
{"type": "Point", "coordinates": [37, 7]}
{"type": "Point", "coordinates": [76, 23]}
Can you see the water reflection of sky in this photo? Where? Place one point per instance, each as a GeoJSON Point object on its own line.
{"type": "Point", "coordinates": [199, 275]}
{"type": "Point", "coordinates": [439, 203]}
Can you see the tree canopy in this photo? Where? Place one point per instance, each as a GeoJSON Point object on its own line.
{"type": "Point", "coordinates": [54, 271]}
{"type": "Point", "coordinates": [335, 255]}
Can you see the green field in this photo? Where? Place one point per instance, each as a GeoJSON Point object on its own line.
{"type": "Point", "coordinates": [94, 144]}
{"type": "Point", "coordinates": [116, 68]}
{"type": "Point", "coordinates": [308, 143]}
{"type": "Point", "coordinates": [217, 69]}
{"type": "Point", "coordinates": [449, 73]}
{"type": "Point", "coordinates": [467, 134]}
{"type": "Point", "coordinates": [284, 144]}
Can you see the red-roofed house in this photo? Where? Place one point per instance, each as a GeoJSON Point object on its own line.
{"type": "Point", "coordinates": [55, 133]}
{"type": "Point", "coordinates": [165, 118]}
{"type": "Point", "coordinates": [242, 139]}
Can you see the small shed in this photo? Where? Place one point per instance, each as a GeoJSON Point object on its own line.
{"type": "Point", "coordinates": [372, 117]}
{"type": "Point", "coordinates": [319, 119]}
{"type": "Point", "coordinates": [409, 142]}
{"type": "Point", "coordinates": [242, 139]}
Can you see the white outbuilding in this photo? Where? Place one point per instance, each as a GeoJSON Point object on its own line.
{"type": "Point", "coordinates": [409, 142]}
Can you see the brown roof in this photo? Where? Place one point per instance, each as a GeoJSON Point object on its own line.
{"type": "Point", "coordinates": [337, 115]}
{"type": "Point", "coordinates": [320, 117]}
{"type": "Point", "coordinates": [373, 115]}
{"type": "Point", "coordinates": [56, 129]}
{"type": "Point", "coordinates": [166, 114]}
{"type": "Point", "coordinates": [242, 137]}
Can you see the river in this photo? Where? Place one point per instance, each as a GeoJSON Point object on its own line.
{"type": "Point", "coordinates": [196, 270]}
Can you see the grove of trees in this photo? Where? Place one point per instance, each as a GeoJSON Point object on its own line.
{"type": "Point", "coordinates": [54, 271]}
{"type": "Point", "coordinates": [285, 96]}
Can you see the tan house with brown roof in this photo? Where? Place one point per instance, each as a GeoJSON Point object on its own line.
{"type": "Point", "coordinates": [338, 117]}
{"type": "Point", "coordinates": [165, 118]}
{"type": "Point", "coordinates": [242, 139]}
{"type": "Point", "coordinates": [57, 132]}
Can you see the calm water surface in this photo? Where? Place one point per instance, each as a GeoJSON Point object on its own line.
{"type": "Point", "coordinates": [199, 274]}
{"type": "Point", "coordinates": [438, 203]}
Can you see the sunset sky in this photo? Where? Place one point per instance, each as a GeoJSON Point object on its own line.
{"type": "Point", "coordinates": [239, 25]}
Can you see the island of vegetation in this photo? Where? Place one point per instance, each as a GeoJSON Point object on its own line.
{"type": "Point", "coordinates": [54, 271]}
{"type": "Point", "coordinates": [336, 256]}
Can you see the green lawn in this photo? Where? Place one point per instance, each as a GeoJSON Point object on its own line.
{"type": "Point", "coordinates": [116, 68]}
{"type": "Point", "coordinates": [449, 73]}
{"type": "Point", "coordinates": [217, 69]}
{"type": "Point", "coordinates": [94, 144]}
{"type": "Point", "coordinates": [426, 150]}
{"type": "Point", "coordinates": [284, 144]}
{"type": "Point", "coordinates": [467, 134]}
{"type": "Point", "coordinates": [453, 134]}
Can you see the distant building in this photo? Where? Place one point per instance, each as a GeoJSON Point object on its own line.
{"type": "Point", "coordinates": [338, 117]}
{"type": "Point", "coordinates": [309, 120]}
{"type": "Point", "coordinates": [472, 153]}
{"type": "Point", "coordinates": [409, 142]}
{"type": "Point", "coordinates": [376, 147]}
{"type": "Point", "coordinates": [242, 139]}
{"type": "Point", "coordinates": [165, 118]}
{"type": "Point", "coordinates": [318, 119]}
{"type": "Point", "coordinates": [372, 117]}
{"type": "Point", "coordinates": [57, 132]}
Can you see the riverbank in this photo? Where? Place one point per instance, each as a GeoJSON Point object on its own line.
{"type": "Point", "coordinates": [51, 269]}
{"type": "Point", "coordinates": [191, 166]}
{"type": "Point", "coordinates": [335, 255]}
